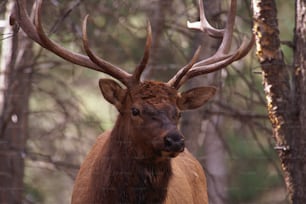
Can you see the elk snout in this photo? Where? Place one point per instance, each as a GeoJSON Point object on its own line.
{"type": "Point", "coordinates": [174, 142]}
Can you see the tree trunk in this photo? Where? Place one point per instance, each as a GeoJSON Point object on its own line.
{"type": "Point", "coordinates": [298, 141]}
{"type": "Point", "coordinates": [15, 91]}
{"type": "Point", "coordinates": [157, 12]}
{"type": "Point", "coordinates": [201, 132]}
{"type": "Point", "coordinates": [285, 92]}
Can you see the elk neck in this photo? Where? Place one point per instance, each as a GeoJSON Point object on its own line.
{"type": "Point", "coordinates": [135, 176]}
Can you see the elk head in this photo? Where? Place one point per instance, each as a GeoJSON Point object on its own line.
{"type": "Point", "coordinates": [149, 109]}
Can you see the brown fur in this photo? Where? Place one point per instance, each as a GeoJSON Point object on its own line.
{"type": "Point", "coordinates": [130, 164]}
{"type": "Point", "coordinates": [187, 183]}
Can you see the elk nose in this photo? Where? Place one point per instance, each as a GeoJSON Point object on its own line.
{"type": "Point", "coordinates": [174, 142]}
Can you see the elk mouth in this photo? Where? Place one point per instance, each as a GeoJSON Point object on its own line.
{"type": "Point", "coordinates": [173, 151]}
{"type": "Point", "coordinates": [164, 153]}
{"type": "Point", "coordinates": [169, 145]}
{"type": "Point", "coordinates": [167, 154]}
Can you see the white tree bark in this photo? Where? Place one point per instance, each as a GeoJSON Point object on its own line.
{"type": "Point", "coordinates": [6, 58]}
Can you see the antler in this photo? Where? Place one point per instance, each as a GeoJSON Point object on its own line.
{"type": "Point", "coordinates": [219, 60]}
{"type": "Point", "coordinates": [222, 57]}
{"type": "Point", "coordinates": [35, 31]}
{"type": "Point", "coordinates": [100, 62]}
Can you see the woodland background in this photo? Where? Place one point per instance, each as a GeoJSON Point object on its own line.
{"type": "Point", "coordinates": [61, 110]}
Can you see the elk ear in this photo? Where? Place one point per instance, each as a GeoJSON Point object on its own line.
{"type": "Point", "coordinates": [194, 98]}
{"type": "Point", "coordinates": [112, 92]}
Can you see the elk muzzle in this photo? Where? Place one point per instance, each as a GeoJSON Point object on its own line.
{"type": "Point", "coordinates": [174, 142]}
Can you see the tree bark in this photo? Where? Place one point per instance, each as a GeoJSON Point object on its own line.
{"type": "Point", "coordinates": [15, 91]}
{"type": "Point", "coordinates": [298, 141]}
{"type": "Point", "coordinates": [285, 93]}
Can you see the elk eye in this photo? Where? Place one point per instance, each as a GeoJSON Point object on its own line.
{"type": "Point", "coordinates": [179, 114]}
{"type": "Point", "coordinates": [135, 111]}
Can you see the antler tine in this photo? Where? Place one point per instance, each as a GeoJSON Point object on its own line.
{"type": "Point", "coordinates": [23, 19]}
{"type": "Point", "coordinates": [227, 33]}
{"type": "Point", "coordinates": [57, 49]}
{"type": "Point", "coordinates": [221, 58]}
{"type": "Point", "coordinates": [174, 81]}
{"type": "Point", "coordinates": [110, 69]}
{"type": "Point", "coordinates": [204, 25]}
{"type": "Point", "coordinates": [229, 29]}
{"type": "Point", "coordinates": [36, 33]}
{"type": "Point", "coordinates": [201, 69]}
{"type": "Point", "coordinates": [143, 63]}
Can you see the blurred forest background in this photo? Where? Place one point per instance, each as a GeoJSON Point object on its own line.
{"type": "Point", "coordinates": [63, 110]}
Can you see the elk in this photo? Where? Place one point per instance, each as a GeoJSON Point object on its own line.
{"type": "Point", "coordinates": [143, 159]}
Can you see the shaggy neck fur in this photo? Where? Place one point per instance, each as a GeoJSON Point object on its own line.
{"type": "Point", "coordinates": [132, 176]}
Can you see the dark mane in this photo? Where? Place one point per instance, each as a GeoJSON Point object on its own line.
{"type": "Point", "coordinates": [129, 179]}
